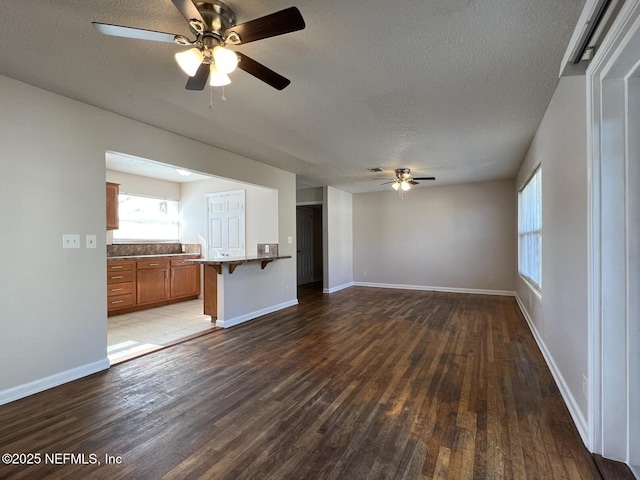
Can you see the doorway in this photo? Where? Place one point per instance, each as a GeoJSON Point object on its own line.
{"type": "Point", "coordinates": [613, 82]}
{"type": "Point", "coordinates": [309, 245]}
{"type": "Point", "coordinates": [135, 333]}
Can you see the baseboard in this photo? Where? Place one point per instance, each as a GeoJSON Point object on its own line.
{"type": "Point", "coordinates": [230, 322]}
{"type": "Point", "coordinates": [339, 287]}
{"type": "Point", "coordinates": [477, 291]}
{"type": "Point", "coordinates": [46, 383]}
{"type": "Point", "coordinates": [567, 396]}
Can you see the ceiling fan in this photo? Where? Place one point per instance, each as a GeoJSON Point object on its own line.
{"type": "Point", "coordinates": [403, 181]}
{"type": "Point", "coordinates": [214, 25]}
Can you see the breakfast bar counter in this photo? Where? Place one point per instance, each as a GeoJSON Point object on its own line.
{"type": "Point", "coordinates": [234, 262]}
{"type": "Point", "coordinates": [215, 266]}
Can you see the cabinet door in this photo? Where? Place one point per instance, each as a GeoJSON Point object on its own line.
{"type": "Point", "coordinates": [152, 285]}
{"type": "Point", "coordinates": [185, 281]}
{"type": "Point", "coordinates": [112, 206]}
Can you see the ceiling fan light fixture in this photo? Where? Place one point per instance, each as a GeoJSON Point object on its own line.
{"type": "Point", "coordinates": [189, 60]}
{"type": "Point", "coordinates": [218, 78]}
{"type": "Point", "coordinates": [225, 59]}
{"type": "Point", "coordinates": [404, 185]}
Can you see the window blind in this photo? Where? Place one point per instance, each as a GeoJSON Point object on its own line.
{"type": "Point", "coordinates": [530, 230]}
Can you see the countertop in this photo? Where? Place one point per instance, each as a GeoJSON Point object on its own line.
{"type": "Point", "coordinates": [230, 260]}
{"type": "Point", "coordinates": [233, 262]}
{"type": "Point", "coordinates": [160, 255]}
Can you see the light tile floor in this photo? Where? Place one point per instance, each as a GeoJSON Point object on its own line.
{"type": "Point", "coordinates": [137, 333]}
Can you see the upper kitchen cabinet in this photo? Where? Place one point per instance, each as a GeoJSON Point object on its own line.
{"type": "Point", "coordinates": [112, 206]}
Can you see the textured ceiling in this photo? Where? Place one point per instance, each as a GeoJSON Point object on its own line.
{"type": "Point", "coordinates": [450, 88]}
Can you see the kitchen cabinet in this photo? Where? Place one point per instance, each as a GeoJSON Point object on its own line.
{"type": "Point", "coordinates": [152, 281]}
{"type": "Point", "coordinates": [120, 284]}
{"type": "Point", "coordinates": [185, 279]}
{"type": "Point", "coordinates": [112, 206]}
{"type": "Point", "coordinates": [139, 284]}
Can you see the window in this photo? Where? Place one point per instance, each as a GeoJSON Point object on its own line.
{"type": "Point", "coordinates": [530, 230]}
{"type": "Point", "coordinates": [146, 219]}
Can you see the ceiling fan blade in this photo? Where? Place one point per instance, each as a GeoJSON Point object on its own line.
{"type": "Point", "coordinates": [188, 10]}
{"type": "Point", "coordinates": [261, 72]}
{"type": "Point", "coordinates": [413, 182]}
{"type": "Point", "coordinates": [387, 183]}
{"type": "Point", "coordinates": [424, 178]}
{"type": "Point", "coordinates": [278, 23]}
{"type": "Point", "coordinates": [199, 80]}
{"type": "Point", "coordinates": [131, 32]}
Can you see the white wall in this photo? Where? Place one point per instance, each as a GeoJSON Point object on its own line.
{"type": "Point", "coordinates": [559, 317]}
{"type": "Point", "coordinates": [139, 185]}
{"type": "Point", "coordinates": [53, 314]}
{"type": "Point", "coordinates": [53, 309]}
{"type": "Point", "coordinates": [338, 239]}
{"type": "Point", "coordinates": [450, 237]}
{"type": "Point", "coordinates": [261, 212]}
{"type": "Point", "coordinates": [306, 196]}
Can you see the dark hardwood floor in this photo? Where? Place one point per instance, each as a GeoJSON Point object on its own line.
{"type": "Point", "coordinates": [363, 383]}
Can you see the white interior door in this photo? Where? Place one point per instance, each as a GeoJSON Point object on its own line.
{"type": "Point", "coordinates": [304, 234]}
{"type": "Point", "coordinates": [226, 222]}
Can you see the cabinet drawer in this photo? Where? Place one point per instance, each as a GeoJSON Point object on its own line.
{"type": "Point", "coordinates": [141, 264]}
{"type": "Point", "coordinates": [120, 265]}
{"type": "Point", "coordinates": [120, 289]}
{"type": "Point", "coordinates": [178, 262]}
{"type": "Point", "coordinates": [120, 301]}
{"type": "Point", "coordinates": [121, 277]}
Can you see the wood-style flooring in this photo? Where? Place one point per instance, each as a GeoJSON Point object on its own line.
{"type": "Point", "coordinates": [364, 383]}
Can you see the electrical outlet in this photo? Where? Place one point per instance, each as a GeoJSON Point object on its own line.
{"type": "Point", "coordinates": [289, 239]}
{"type": "Point", "coordinates": [70, 240]}
{"type": "Point", "coordinates": [364, 274]}
{"type": "Point", "coordinates": [490, 278]}
{"type": "Point", "coordinates": [286, 289]}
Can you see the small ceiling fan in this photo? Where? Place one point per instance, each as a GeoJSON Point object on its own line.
{"type": "Point", "coordinates": [403, 180]}
{"type": "Point", "coordinates": [214, 25]}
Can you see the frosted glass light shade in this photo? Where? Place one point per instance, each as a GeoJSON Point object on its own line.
{"type": "Point", "coordinates": [189, 60]}
{"type": "Point", "coordinates": [225, 59]}
{"type": "Point", "coordinates": [218, 78]}
{"type": "Point", "coordinates": [396, 185]}
{"type": "Point", "coordinates": [405, 186]}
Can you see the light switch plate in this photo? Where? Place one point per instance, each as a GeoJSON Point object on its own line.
{"type": "Point", "coordinates": [91, 241]}
{"type": "Point", "coordinates": [70, 240]}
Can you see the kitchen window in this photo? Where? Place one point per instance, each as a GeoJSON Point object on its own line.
{"type": "Point", "coordinates": [530, 230]}
{"type": "Point", "coordinates": [146, 219]}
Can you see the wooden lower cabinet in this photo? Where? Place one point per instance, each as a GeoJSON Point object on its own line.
{"type": "Point", "coordinates": [185, 279]}
{"type": "Point", "coordinates": [137, 285]}
{"type": "Point", "coordinates": [152, 284]}
{"type": "Point", "coordinates": [121, 287]}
